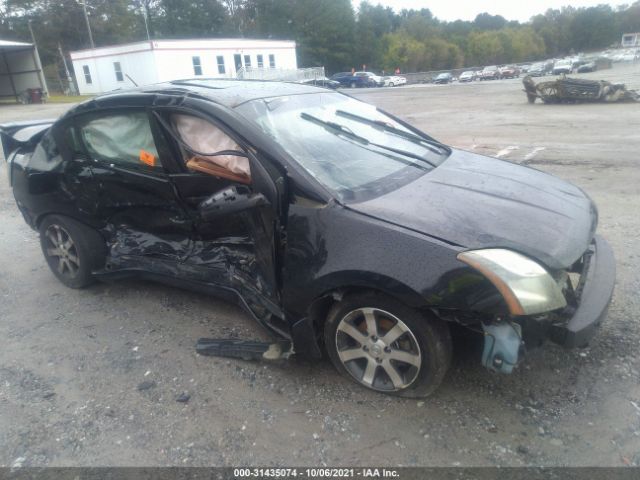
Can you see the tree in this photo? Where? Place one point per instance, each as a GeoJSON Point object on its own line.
{"type": "Point", "coordinates": [193, 18]}
{"type": "Point", "coordinates": [325, 33]}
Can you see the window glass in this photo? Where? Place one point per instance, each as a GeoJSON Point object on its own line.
{"type": "Point", "coordinates": [118, 70]}
{"type": "Point", "coordinates": [260, 61]}
{"type": "Point", "coordinates": [247, 61]}
{"type": "Point", "coordinates": [122, 139]}
{"type": "Point", "coordinates": [347, 145]}
{"type": "Point", "coordinates": [197, 67]}
{"type": "Point", "coordinates": [203, 140]}
{"type": "Point", "coordinates": [221, 69]}
{"type": "Point", "coordinates": [272, 61]}
{"type": "Point", "coordinates": [87, 74]}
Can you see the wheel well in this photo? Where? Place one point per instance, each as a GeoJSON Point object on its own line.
{"type": "Point", "coordinates": [319, 308]}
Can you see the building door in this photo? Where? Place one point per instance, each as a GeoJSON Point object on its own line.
{"type": "Point", "coordinates": [237, 60]}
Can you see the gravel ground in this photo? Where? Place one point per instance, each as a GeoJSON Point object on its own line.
{"type": "Point", "coordinates": [93, 377]}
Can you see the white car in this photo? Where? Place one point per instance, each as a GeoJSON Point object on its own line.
{"type": "Point", "coordinates": [394, 81]}
{"type": "Point", "coordinates": [468, 76]}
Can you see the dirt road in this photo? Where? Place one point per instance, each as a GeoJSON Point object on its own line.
{"type": "Point", "coordinates": [72, 362]}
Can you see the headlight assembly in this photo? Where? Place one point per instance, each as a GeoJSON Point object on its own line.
{"type": "Point", "coordinates": [527, 288]}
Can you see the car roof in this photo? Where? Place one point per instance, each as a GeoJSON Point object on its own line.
{"type": "Point", "coordinates": [227, 92]}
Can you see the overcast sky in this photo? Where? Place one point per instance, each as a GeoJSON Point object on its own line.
{"type": "Point", "coordinates": [521, 10]}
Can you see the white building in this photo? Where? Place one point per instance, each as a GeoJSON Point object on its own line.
{"type": "Point", "coordinates": [109, 68]}
{"type": "Point", "coordinates": [630, 40]}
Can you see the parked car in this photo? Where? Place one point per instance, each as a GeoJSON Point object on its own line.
{"type": "Point", "coordinates": [348, 79]}
{"type": "Point", "coordinates": [562, 66]}
{"type": "Point", "coordinates": [490, 73]}
{"type": "Point", "coordinates": [537, 70]}
{"type": "Point", "coordinates": [468, 76]}
{"type": "Point", "coordinates": [373, 80]}
{"type": "Point", "coordinates": [322, 82]}
{"type": "Point", "coordinates": [525, 68]}
{"type": "Point", "coordinates": [587, 67]}
{"type": "Point", "coordinates": [444, 78]}
{"type": "Point", "coordinates": [510, 71]}
{"type": "Point", "coordinates": [334, 224]}
{"type": "Point", "coordinates": [394, 81]}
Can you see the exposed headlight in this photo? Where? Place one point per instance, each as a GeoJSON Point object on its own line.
{"type": "Point", "coordinates": [527, 288]}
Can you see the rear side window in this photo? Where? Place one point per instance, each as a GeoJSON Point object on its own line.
{"type": "Point", "coordinates": [123, 139]}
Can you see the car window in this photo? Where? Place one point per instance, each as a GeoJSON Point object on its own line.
{"type": "Point", "coordinates": [349, 146]}
{"type": "Point", "coordinates": [207, 148]}
{"type": "Point", "coordinates": [122, 138]}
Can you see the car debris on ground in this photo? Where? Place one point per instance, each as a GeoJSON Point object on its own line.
{"type": "Point", "coordinates": [574, 90]}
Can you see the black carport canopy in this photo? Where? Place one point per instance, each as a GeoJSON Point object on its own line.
{"type": "Point", "coordinates": [20, 69]}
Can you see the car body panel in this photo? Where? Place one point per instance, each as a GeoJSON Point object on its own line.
{"type": "Point", "coordinates": [539, 215]}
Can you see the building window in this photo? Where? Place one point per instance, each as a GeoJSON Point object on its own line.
{"type": "Point", "coordinates": [272, 61]}
{"type": "Point", "coordinates": [197, 67]}
{"type": "Point", "coordinates": [237, 60]}
{"type": "Point", "coordinates": [260, 61]}
{"type": "Point", "coordinates": [247, 61]}
{"type": "Point", "coordinates": [221, 69]}
{"type": "Point", "coordinates": [118, 69]}
{"type": "Point", "coordinates": [87, 74]}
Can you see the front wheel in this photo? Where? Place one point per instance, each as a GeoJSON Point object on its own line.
{"type": "Point", "coordinates": [72, 250]}
{"type": "Point", "coordinates": [386, 346]}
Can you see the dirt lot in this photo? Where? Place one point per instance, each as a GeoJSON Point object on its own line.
{"type": "Point", "coordinates": [72, 361]}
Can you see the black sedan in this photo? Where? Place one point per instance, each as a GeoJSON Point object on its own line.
{"type": "Point", "coordinates": [335, 225]}
{"type": "Point", "coordinates": [321, 82]}
{"type": "Point", "coordinates": [443, 78]}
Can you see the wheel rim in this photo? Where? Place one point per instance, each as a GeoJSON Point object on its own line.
{"type": "Point", "coordinates": [378, 349]}
{"type": "Point", "coordinates": [61, 252]}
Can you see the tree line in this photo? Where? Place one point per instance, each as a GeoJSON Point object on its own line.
{"type": "Point", "coordinates": [329, 33]}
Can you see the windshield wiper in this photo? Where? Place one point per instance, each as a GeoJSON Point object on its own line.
{"type": "Point", "coordinates": [429, 144]}
{"type": "Point", "coordinates": [342, 130]}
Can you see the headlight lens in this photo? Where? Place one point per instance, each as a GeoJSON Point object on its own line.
{"type": "Point", "coordinates": [527, 288]}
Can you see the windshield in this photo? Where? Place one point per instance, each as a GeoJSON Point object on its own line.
{"type": "Point", "coordinates": [350, 147]}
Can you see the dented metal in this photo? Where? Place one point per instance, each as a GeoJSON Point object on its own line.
{"type": "Point", "coordinates": [577, 90]}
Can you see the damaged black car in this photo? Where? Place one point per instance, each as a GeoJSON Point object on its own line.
{"type": "Point", "coordinates": [338, 227]}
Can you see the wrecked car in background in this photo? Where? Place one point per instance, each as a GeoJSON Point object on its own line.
{"type": "Point", "coordinates": [335, 225]}
{"type": "Point", "coordinates": [577, 90]}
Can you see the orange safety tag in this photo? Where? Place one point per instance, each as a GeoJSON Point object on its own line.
{"type": "Point", "coordinates": [147, 158]}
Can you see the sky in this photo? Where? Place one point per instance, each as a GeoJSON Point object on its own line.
{"type": "Point", "coordinates": [521, 10]}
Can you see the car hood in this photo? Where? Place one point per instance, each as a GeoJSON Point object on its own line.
{"type": "Point", "coordinates": [476, 202]}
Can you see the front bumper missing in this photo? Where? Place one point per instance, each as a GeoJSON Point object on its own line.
{"type": "Point", "coordinates": [598, 280]}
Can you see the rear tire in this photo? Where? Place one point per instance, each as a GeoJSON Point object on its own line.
{"type": "Point", "coordinates": [72, 250]}
{"type": "Point", "coordinates": [387, 346]}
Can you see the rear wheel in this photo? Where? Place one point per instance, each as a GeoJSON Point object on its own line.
{"type": "Point", "coordinates": [72, 250]}
{"type": "Point", "coordinates": [386, 346]}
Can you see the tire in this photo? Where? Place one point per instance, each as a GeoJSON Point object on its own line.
{"type": "Point", "coordinates": [72, 250]}
{"type": "Point", "coordinates": [353, 85]}
{"type": "Point", "coordinates": [411, 364]}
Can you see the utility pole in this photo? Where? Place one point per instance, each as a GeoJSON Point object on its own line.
{"type": "Point", "coordinates": [86, 19]}
{"type": "Point", "coordinates": [72, 87]}
{"type": "Point", "coordinates": [146, 25]}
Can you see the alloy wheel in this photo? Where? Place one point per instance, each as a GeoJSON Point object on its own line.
{"type": "Point", "coordinates": [61, 251]}
{"type": "Point", "coordinates": [378, 349]}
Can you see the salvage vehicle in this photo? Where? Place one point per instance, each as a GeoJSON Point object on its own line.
{"type": "Point", "coordinates": [510, 71]}
{"type": "Point", "coordinates": [537, 70]}
{"type": "Point", "coordinates": [443, 78]}
{"type": "Point", "coordinates": [468, 76]}
{"type": "Point", "coordinates": [348, 79]}
{"type": "Point", "coordinates": [321, 82]}
{"type": "Point", "coordinates": [588, 67]}
{"type": "Point", "coordinates": [562, 66]}
{"type": "Point", "coordinates": [490, 73]}
{"type": "Point", "coordinates": [335, 225]}
{"type": "Point", "coordinates": [372, 79]}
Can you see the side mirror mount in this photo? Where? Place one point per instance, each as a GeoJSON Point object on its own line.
{"type": "Point", "coordinates": [228, 201]}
